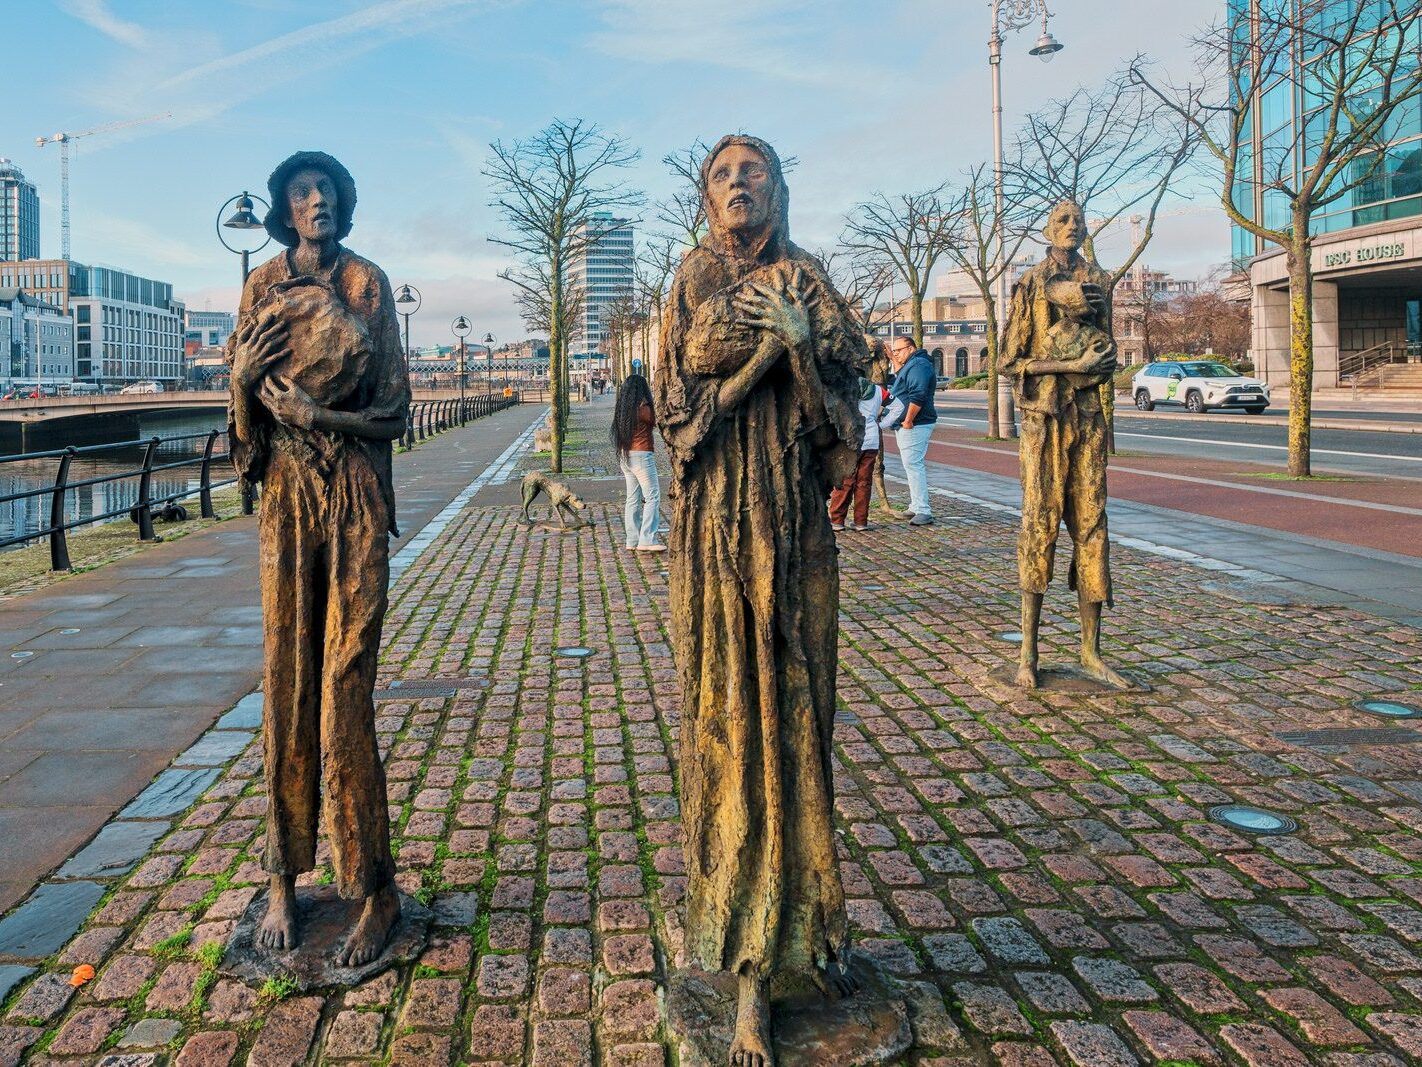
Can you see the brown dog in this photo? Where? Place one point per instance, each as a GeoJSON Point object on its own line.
{"type": "Point", "coordinates": [562, 501]}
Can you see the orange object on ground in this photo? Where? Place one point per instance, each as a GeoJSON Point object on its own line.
{"type": "Point", "coordinates": [83, 973]}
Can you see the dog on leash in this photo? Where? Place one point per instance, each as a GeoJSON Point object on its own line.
{"type": "Point", "coordinates": [562, 501]}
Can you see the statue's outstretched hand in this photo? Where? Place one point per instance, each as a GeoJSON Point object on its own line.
{"type": "Point", "coordinates": [289, 404]}
{"type": "Point", "coordinates": [1100, 358]}
{"type": "Point", "coordinates": [1095, 297]}
{"type": "Point", "coordinates": [259, 345]}
{"type": "Point", "coordinates": [784, 314]}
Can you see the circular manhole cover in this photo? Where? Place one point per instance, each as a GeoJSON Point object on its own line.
{"type": "Point", "coordinates": [1389, 709]}
{"type": "Point", "coordinates": [1253, 820]}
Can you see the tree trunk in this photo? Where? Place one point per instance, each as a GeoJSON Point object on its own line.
{"type": "Point", "coordinates": [556, 381]}
{"type": "Point", "coordinates": [1300, 348]}
{"type": "Point", "coordinates": [994, 415]}
{"type": "Point", "coordinates": [917, 305]}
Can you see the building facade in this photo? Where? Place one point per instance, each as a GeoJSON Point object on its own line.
{"type": "Point", "coordinates": [126, 328]}
{"type": "Point", "coordinates": [1137, 297]}
{"type": "Point", "coordinates": [958, 347]}
{"type": "Point", "coordinates": [1367, 245]}
{"type": "Point", "coordinates": [207, 329]}
{"type": "Point", "coordinates": [36, 340]}
{"type": "Point", "coordinates": [604, 274]}
{"type": "Point", "coordinates": [19, 214]}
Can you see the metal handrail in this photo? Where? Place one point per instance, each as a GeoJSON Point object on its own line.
{"type": "Point", "coordinates": [1365, 367]}
{"type": "Point", "coordinates": [426, 418]}
{"type": "Point", "coordinates": [140, 509]}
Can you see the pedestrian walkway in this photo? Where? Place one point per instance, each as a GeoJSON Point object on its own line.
{"type": "Point", "coordinates": [1043, 873]}
{"type": "Point", "coordinates": [108, 675]}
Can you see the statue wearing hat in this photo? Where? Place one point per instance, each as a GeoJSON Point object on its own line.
{"type": "Point", "coordinates": [319, 392]}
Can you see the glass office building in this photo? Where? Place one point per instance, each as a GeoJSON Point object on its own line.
{"type": "Point", "coordinates": [19, 214]}
{"type": "Point", "coordinates": [1367, 252]}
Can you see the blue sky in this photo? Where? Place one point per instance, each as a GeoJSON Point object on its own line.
{"type": "Point", "coordinates": [873, 94]}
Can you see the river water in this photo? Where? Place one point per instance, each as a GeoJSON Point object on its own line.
{"type": "Point", "coordinates": [32, 513]}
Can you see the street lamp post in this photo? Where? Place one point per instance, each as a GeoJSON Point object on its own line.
{"type": "Point", "coordinates": [1009, 15]}
{"type": "Point", "coordinates": [407, 302]}
{"type": "Point", "coordinates": [461, 327]}
{"type": "Point", "coordinates": [242, 218]}
{"type": "Point", "coordinates": [489, 344]}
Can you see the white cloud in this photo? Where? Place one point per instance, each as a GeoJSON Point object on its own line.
{"type": "Point", "coordinates": [96, 14]}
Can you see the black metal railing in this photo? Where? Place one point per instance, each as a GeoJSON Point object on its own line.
{"type": "Point", "coordinates": [429, 417]}
{"type": "Point", "coordinates": [141, 506]}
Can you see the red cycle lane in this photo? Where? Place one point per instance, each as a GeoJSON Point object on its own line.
{"type": "Point", "coordinates": [1377, 513]}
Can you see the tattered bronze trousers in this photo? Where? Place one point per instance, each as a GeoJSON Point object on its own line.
{"type": "Point", "coordinates": [324, 565]}
{"type": "Point", "coordinates": [1064, 478]}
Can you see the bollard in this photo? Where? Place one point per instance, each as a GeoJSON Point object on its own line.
{"type": "Point", "coordinates": [58, 540]}
{"type": "Point", "coordinates": [1006, 416]}
{"type": "Point", "coordinates": [145, 492]}
{"type": "Point", "coordinates": [205, 482]}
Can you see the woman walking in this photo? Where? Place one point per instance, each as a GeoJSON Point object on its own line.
{"type": "Point", "coordinates": [632, 425]}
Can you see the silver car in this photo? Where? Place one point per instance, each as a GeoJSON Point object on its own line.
{"type": "Point", "coordinates": [1198, 385]}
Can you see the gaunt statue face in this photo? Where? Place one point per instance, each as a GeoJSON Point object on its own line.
{"type": "Point", "coordinates": [1066, 227]}
{"type": "Point", "coordinates": [738, 187]}
{"type": "Point", "coordinates": [311, 205]}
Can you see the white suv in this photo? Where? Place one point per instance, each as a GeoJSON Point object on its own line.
{"type": "Point", "coordinates": [1200, 385]}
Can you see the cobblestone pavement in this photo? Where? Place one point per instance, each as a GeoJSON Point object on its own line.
{"type": "Point", "coordinates": [1040, 870]}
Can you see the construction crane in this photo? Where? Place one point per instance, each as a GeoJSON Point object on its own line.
{"type": "Point", "coordinates": [64, 140]}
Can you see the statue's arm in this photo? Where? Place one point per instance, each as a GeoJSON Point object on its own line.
{"type": "Point", "coordinates": [357, 424]}
{"type": "Point", "coordinates": [735, 388]}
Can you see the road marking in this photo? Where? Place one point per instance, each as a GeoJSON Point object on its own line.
{"type": "Point", "coordinates": [1231, 444]}
{"type": "Point", "coordinates": [1268, 490]}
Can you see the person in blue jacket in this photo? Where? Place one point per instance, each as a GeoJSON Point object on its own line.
{"type": "Point", "coordinates": [914, 383]}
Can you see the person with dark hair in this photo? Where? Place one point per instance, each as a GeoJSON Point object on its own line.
{"type": "Point", "coordinates": [632, 423]}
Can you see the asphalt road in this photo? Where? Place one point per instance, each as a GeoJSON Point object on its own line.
{"type": "Point", "coordinates": [1395, 455]}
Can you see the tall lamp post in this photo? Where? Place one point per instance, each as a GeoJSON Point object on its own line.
{"type": "Point", "coordinates": [407, 302]}
{"type": "Point", "coordinates": [242, 218]}
{"type": "Point", "coordinates": [489, 344]}
{"type": "Point", "coordinates": [461, 327]}
{"type": "Point", "coordinates": [1008, 16]}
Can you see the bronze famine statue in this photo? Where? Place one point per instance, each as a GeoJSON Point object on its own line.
{"type": "Point", "coordinates": [319, 391]}
{"type": "Point", "coordinates": [757, 402]}
{"type": "Point", "coordinates": [1058, 351]}
{"type": "Point", "coordinates": [563, 503]}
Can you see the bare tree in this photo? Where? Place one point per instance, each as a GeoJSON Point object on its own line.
{"type": "Point", "coordinates": [532, 289]}
{"type": "Point", "coordinates": [1359, 70]}
{"type": "Point", "coordinates": [862, 280]}
{"type": "Point", "coordinates": [555, 191]}
{"type": "Point", "coordinates": [911, 231]}
{"type": "Point", "coordinates": [684, 212]}
{"type": "Point", "coordinates": [975, 254]}
{"type": "Point", "coordinates": [1117, 151]}
{"type": "Point", "coordinates": [1203, 322]}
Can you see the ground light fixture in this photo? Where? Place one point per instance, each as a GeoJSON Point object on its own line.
{"type": "Point", "coordinates": [1389, 709]}
{"type": "Point", "coordinates": [1013, 637]}
{"type": "Point", "coordinates": [1252, 820]}
{"type": "Point", "coordinates": [573, 652]}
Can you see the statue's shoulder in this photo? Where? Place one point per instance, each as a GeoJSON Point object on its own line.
{"type": "Point", "coordinates": [357, 265]}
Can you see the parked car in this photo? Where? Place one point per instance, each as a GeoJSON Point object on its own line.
{"type": "Point", "coordinates": [1199, 385]}
{"type": "Point", "coordinates": [142, 387]}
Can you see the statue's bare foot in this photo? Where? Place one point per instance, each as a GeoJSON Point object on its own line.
{"type": "Point", "coordinates": [278, 929]}
{"type": "Point", "coordinates": [751, 1045]}
{"type": "Point", "coordinates": [835, 982]}
{"type": "Point", "coordinates": [1026, 676]}
{"type": "Point", "coordinates": [377, 919]}
{"type": "Point", "coordinates": [1095, 667]}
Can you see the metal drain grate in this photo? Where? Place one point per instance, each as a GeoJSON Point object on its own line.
{"type": "Point", "coordinates": [420, 688]}
{"type": "Point", "coordinates": [1315, 738]}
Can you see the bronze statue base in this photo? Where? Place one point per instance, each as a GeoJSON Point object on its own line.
{"type": "Point", "coordinates": [1065, 678]}
{"type": "Point", "coordinates": [870, 1027]}
{"type": "Point", "coordinates": [324, 922]}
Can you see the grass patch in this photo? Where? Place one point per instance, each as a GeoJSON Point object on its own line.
{"type": "Point", "coordinates": [173, 946]}
{"type": "Point", "coordinates": [90, 547]}
{"type": "Point", "coordinates": [278, 987]}
{"type": "Point", "coordinates": [1285, 476]}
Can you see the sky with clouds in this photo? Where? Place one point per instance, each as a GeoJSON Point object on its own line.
{"type": "Point", "coordinates": [869, 95]}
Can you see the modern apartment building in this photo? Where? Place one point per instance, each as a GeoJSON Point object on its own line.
{"type": "Point", "coordinates": [605, 275]}
{"type": "Point", "coordinates": [19, 214]}
{"type": "Point", "coordinates": [36, 340]}
{"type": "Point", "coordinates": [126, 328]}
{"type": "Point", "coordinates": [1367, 246]}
